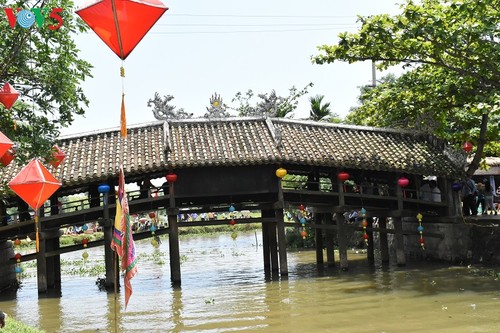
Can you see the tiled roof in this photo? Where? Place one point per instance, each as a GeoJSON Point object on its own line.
{"type": "Point", "coordinates": [202, 142]}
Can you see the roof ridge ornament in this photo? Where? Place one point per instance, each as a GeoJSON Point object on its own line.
{"type": "Point", "coordinates": [275, 132]}
{"type": "Point", "coordinates": [162, 110]}
{"type": "Point", "coordinates": [217, 108]}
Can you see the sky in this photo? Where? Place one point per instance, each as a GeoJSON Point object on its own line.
{"type": "Point", "coordinates": [199, 48]}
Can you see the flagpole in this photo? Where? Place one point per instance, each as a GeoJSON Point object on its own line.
{"type": "Point", "coordinates": [115, 293]}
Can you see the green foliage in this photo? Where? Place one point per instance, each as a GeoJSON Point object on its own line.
{"type": "Point", "coordinates": [14, 326]}
{"type": "Point", "coordinates": [451, 50]}
{"type": "Point", "coordinates": [43, 66]}
{"type": "Point", "coordinates": [270, 104]}
{"type": "Point", "coordinates": [319, 110]}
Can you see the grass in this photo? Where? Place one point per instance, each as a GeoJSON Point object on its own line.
{"type": "Point", "coordinates": [14, 326]}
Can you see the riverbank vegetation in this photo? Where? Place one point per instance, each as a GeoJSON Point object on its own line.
{"type": "Point", "coordinates": [14, 326]}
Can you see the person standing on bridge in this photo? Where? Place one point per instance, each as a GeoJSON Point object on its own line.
{"type": "Point", "coordinates": [469, 192]}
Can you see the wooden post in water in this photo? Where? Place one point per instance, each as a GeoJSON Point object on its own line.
{"type": "Point", "coordinates": [330, 234]}
{"type": "Point", "coordinates": [110, 256]}
{"type": "Point", "coordinates": [173, 238]}
{"type": "Point", "coordinates": [384, 244]}
{"type": "Point", "coordinates": [265, 243]}
{"type": "Point", "coordinates": [319, 238]}
{"type": "Point", "coordinates": [398, 230]}
{"type": "Point", "coordinates": [41, 261]}
{"type": "Point", "coordinates": [280, 225]}
{"type": "Point", "coordinates": [341, 232]}
{"type": "Point", "coordinates": [371, 248]}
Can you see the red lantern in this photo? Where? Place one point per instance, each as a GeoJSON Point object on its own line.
{"type": "Point", "coordinates": [303, 233]}
{"type": "Point", "coordinates": [467, 147]}
{"type": "Point", "coordinates": [152, 215]}
{"type": "Point", "coordinates": [17, 242]}
{"type": "Point", "coordinates": [122, 24]}
{"type": "Point", "coordinates": [403, 182]}
{"type": "Point", "coordinates": [301, 207]}
{"type": "Point", "coordinates": [85, 242]}
{"type": "Point", "coordinates": [8, 95]}
{"type": "Point", "coordinates": [232, 222]}
{"type": "Point", "coordinates": [343, 176]}
{"type": "Point", "coordinates": [7, 157]}
{"type": "Point", "coordinates": [421, 241]}
{"type": "Point", "coordinates": [365, 236]}
{"type": "Point", "coordinates": [57, 156]}
{"type": "Point", "coordinates": [18, 257]}
{"type": "Point", "coordinates": [34, 184]}
{"type": "Point", "coordinates": [171, 177]}
{"type": "Point", "coordinates": [5, 144]}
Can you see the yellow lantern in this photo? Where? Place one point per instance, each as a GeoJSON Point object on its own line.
{"type": "Point", "coordinates": [280, 173]}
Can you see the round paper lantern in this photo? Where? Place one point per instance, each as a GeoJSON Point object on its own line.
{"type": "Point", "coordinates": [85, 255]}
{"type": "Point", "coordinates": [233, 222]}
{"type": "Point", "coordinates": [343, 176]}
{"type": "Point", "coordinates": [280, 173]}
{"type": "Point", "coordinates": [303, 233]}
{"type": "Point", "coordinates": [18, 257]}
{"type": "Point", "coordinates": [171, 177]}
{"type": "Point", "coordinates": [18, 269]}
{"type": "Point", "coordinates": [301, 207]}
{"type": "Point", "coordinates": [104, 188]}
{"type": "Point", "coordinates": [152, 215]}
{"type": "Point", "coordinates": [231, 209]}
{"type": "Point", "coordinates": [17, 242]}
{"type": "Point", "coordinates": [85, 242]}
{"type": "Point", "coordinates": [467, 147]}
{"type": "Point", "coordinates": [403, 182]}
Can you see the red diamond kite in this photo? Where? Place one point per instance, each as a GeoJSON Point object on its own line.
{"type": "Point", "coordinates": [122, 24]}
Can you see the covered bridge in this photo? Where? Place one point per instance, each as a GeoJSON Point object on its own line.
{"type": "Point", "coordinates": [233, 161]}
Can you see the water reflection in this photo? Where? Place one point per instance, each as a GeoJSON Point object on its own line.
{"type": "Point", "coordinates": [224, 290]}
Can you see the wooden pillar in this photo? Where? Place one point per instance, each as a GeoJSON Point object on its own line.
{"type": "Point", "coordinates": [370, 253]}
{"type": "Point", "coordinates": [384, 244]}
{"type": "Point", "coordinates": [41, 260]}
{"type": "Point", "coordinates": [341, 231]}
{"type": "Point", "coordinates": [53, 262]}
{"type": "Point", "coordinates": [342, 240]}
{"type": "Point", "coordinates": [329, 235]}
{"type": "Point", "coordinates": [398, 230]}
{"type": "Point", "coordinates": [173, 238]}
{"type": "Point", "coordinates": [265, 246]}
{"type": "Point", "coordinates": [110, 256]}
{"type": "Point", "coordinates": [280, 229]}
{"type": "Point", "coordinates": [318, 238]}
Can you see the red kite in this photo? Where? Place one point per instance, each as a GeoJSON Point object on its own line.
{"type": "Point", "coordinates": [34, 184]}
{"type": "Point", "coordinates": [122, 24]}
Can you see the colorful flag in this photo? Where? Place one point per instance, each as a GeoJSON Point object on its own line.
{"type": "Point", "coordinates": [124, 242]}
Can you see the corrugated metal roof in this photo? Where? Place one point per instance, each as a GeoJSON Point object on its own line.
{"type": "Point", "coordinates": [95, 156]}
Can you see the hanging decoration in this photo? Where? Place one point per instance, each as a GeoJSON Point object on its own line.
{"type": "Point", "coordinates": [420, 230]}
{"type": "Point", "coordinates": [467, 147]}
{"type": "Point", "coordinates": [343, 176]}
{"type": "Point", "coordinates": [34, 184]}
{"type": "Point", "coordinates": [122, 24]}
{"type": "Point", "coordinates": [154, 239]}
{"type": "Point", "coordinates": [17, 242]}
{"type": "Point", "coordinates": [171, 177]}
{"type": "Point", "coordinates": [233, 227]}
{"type": "Point", "coordinates": [403, 182]}
{"type": "Point", "coordinates": [8, 157]}
{"type": "Point", "coordinates": [18, 269]}
{"type": "Point", "coordinates": [364, 224]}
{"type": "Point", "coordinates": [456, 187]}
{"type": "Point", "coordinates": [5, 144]}
{"type": "Point", "coordinates": [85, 242]}
{"type": "Point", "coordinates": [57, 156]}
{"type": "Point", "coordinates": [8, 96]}
{"type": "Point", "coordinates": [301, 216]}
{"type": "Point", "coordinates": [280, 173]}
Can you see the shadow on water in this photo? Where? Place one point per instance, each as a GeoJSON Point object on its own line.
{"type": "Point", "coordinates": [224, 289]}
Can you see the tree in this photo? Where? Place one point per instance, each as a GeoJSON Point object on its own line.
{"type": "Point", "coordinates": [451, 49]}
{"type": "Point", "coordinates": [319, 110]}
{"type": "Point", "coordinates": [42, 64]}
{"type": "Point", "coordinates": [270, 104]}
